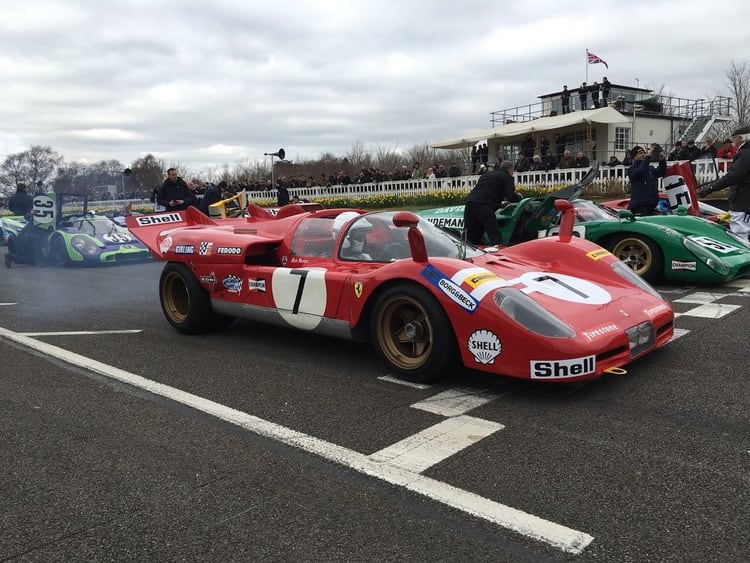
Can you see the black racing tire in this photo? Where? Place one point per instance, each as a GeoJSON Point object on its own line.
{"type": "Point", "coordinates": [640, 253]}
{"type": "Point", "coordinates": [412, 333]}
{"type": "Point", "coordinates": [185, 303]}
{"type": "Point", "coordinates": [58, 252]}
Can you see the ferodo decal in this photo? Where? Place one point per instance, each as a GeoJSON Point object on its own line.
{"type": "Point", "coordinates": [300, 295]}
{"type": "Point", "coordinates": [146, 220]}
{"type": "Point", "coordinates": [485, 346]}
{"type": "Point", "coordinates": [358, 288]}
{"type": "Point", "coordinates": [450, 288]}
{"type": "Point", "coordinates": [205, 248]}
{"type": "Point", "coordinates": [598, 254]}
{"type": "Point", "coordinates": [165, 245]}
{"type": "Point", "coordinates": [712, 244]}
{"type": "Point", "coordinates": [680, 265]}
{"type": "Point", "coordinates": [562, 369]}
{"type": "Point", "coordinates": [228, 250]}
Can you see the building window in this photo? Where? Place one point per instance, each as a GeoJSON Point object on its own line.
{"type": "Point", "coordinates": [622, 138]}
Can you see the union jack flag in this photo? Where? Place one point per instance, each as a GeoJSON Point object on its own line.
{"type": "Point", "coordinates": [593, 59]}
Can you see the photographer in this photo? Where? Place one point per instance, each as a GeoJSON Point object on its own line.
{"type": "Point", "coordinates": [644, 184]}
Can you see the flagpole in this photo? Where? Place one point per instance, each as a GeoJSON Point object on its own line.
{"type": "Point", "coordinates": [587, 66]}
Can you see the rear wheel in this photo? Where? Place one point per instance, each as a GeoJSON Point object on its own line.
{"type": "Point", "coordinates": [412, 333]}
{"type": "Point", "coordinates": [641, 254]}
{"type": "Point", "coordinates": [185, 303]}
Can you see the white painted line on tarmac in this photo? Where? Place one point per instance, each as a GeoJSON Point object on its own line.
{"type": "Point", "coordinates": [711, 310]}
{"type": "Point", "coordinates": [556, 535]}
{"type": "Point", "coordinates": [432, 445]}
{"type": "Point", "coordinates": [1, 304]}
{"type": "Point", "coordinates": [700, 297]}
{"type": "Point", "coordinates": [455, 401]}
{"type": "Point", "coordinates": [80, 332]}
{"type": "Point", "coordinates": [678, 332]}
{"type": "Point", "coordinates": [397, 381]}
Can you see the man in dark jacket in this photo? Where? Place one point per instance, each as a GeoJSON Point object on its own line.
{"type": "Point", "coordinates": [212, 195]}
{"type": "Point", "coordinates": [738, 180]}
{"type": "Point", "coordinates": [486, 198]}
{"type": "Point", "coordinates": [20, 203]}
{"type": "Point", "coordinates": [644, 184]}
{"type": "Point", "coordinates": [175, 194]}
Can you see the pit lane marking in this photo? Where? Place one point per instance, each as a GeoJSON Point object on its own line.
{"type": "Point", "coordinates": [1, 304]}
{"type": "Point", "coordinates": [80, 332]}
{"type": "Point", "coordinates": [456, 401]}
{"type": "Point", "coordinates": [432, 445]}
{"type": "Point", "coordinates": [556, 535]}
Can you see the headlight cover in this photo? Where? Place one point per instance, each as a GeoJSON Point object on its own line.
{"type": "Point", "coordinates": [530, 315]}
{"type": "Point", "coordinates": [84, 245]}
{"type": "Point", "coordinates": [624, 271]}
{"type": "Point", "coordinates": [706, 256]}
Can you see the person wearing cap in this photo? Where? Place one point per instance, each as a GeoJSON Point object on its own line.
{"type": "Point", "coordinates": [486, 198]}
{"type": "Point", "coordinates": [644, 183]}
{"type": "Point", "coordinates": [20, 203]}
{"type": "Point", "coordinates": [738, 182]}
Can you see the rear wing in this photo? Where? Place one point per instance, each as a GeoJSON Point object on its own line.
{"type": "Point", "coordinates": [542, 216]}
{"type": "Point", "coordinates": [147, 227]}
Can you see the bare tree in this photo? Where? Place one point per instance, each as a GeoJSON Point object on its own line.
{"type": "Point", "coordinates": [42, 162]}
{"type": "Point", "coordinates": [148, 172]}
{"type": "Point", "coordinates": [13, 170]}
{"type": "Point", "coordinates": [738, 81]}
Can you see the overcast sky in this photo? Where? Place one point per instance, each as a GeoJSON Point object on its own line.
{"type": "Point", "coordinates": [202, 83]}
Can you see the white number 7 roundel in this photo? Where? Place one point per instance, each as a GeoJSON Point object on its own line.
{"type": "Point", "coordinates": [566, 288]}
{"type": "Point", "coordinates": [300, 296]}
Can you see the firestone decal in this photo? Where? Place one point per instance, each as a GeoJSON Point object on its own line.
{"type": "Point", "coordinates": [680, 265]}
{"type": "Point", "coordinates": [593, 333]}
{"type": "Point", "coordinates": [656, 310]}
{"type": "Point", "coordinates": [563, 369]}
{"type": "Point", "coordinates": [165, 245]}
{"type": "Point", "coordinates": [485, 346]}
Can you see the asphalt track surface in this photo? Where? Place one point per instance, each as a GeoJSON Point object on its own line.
{"type": "Point", "coordinates": [121, 440]}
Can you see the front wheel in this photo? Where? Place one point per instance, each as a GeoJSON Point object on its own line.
{"type": "Point", "coordinates": [412, 333]}
{"type": "Point", "coordinates": [185, 303]}
{"type": "Point", "coordinates": [58, 252]}
{"type": "Point", "coordinates": [641, 254]}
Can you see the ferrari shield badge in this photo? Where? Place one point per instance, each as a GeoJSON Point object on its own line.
{"type": "Point", "coordinates": [358, 287]}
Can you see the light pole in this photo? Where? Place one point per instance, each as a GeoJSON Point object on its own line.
{"type": "Point", "coordinates": [280, 154]}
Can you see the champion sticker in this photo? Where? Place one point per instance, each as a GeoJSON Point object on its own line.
{"type": "Point", "coordinates": [680, 265]}
{"type": "Point", "coordinates": [485, 346]}
{"type": "Point", "coordinates": [257, 285]}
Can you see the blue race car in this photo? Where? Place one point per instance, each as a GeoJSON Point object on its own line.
{"type": "Point", "coordinates": [62, 231]}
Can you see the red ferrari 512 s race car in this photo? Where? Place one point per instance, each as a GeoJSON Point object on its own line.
{"type": "Point", "coordinates": [556, 309]}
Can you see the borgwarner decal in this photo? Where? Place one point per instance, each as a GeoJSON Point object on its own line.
{"type": "Point", "coordinates": [146, 220]}
{"type": "Point", "coordinates": [449, 288]}
{"type": "Point", "coordinates": [563, 369]}
{"type": "Point", "coordinates": [485, 346]}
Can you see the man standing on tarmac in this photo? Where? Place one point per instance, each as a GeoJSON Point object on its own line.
{"type": "Point", "coordinates": [487, 197]}
{"type": "Point", "coordinates": [738, 180]}
{"type": "Point", "coordinates": [175, 193]}
{"type": "Point", "coordinates": [20, 203]}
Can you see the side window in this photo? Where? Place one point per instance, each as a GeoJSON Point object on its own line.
{"type": "Point", "coordinates": [314, 238]}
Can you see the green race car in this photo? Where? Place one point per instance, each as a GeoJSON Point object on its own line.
{"type": "Point", "coordinates": [64, 232]}
{"type": "Point", "coordinates": [675, 248]}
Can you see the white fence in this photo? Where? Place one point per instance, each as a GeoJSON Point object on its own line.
{"type": "Point", "coordinates": [705, 171]}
